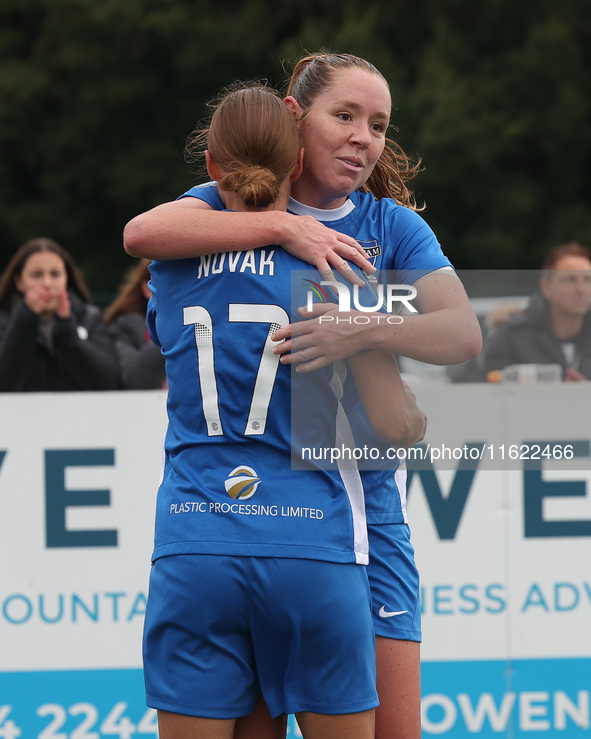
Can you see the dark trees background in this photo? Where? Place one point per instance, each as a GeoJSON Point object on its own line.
{"type": "Point", "coordinates": [97, 99]}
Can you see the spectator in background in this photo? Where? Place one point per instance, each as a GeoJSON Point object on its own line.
{"type": "Point", "coordinates": [555, 328]}
{"type": "Point", "coordinates": [500, 315]}
{"type": "Point", "coordinates": [51, 336]}
{"type": "Point", "coordinates": [473, 371]}
{"type": "Point", "coordinates": [140, 360]}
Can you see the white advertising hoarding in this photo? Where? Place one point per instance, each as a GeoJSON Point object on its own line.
{"type": "Point", "coordinates": [504, 550]}
{"type": "Point", "coordinates": [503, 546]}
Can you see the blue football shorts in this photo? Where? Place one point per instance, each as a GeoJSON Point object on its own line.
{"type": "Point", "coordinates": [394, 582]}
{"type": "Point", "coordinates": [221, 629]}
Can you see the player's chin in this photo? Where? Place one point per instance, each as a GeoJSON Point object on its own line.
{"type": "Point", "coordinates": [354, 180]}
{"type": "Point", "coordinates": [344, 181]}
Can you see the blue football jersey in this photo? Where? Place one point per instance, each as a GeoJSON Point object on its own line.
{"type": "Point", "coordinates": [395, 239]}
{"type": "Point", "coordinates": [228, 484]}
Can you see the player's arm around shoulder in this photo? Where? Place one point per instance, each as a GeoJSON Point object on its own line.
{"type": "Point", "coordinates": [190, 227]}
{"type": "Point", "coordinates": [167, 231]}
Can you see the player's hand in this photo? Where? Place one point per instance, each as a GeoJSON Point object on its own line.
{"type": "Point", "coordinates": [324, 248]}
{"type": "Point", "coordinates": [320, 340]}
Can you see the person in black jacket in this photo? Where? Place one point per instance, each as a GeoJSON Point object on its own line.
{"type": "Point", "coordinates": [51, 336]}
{"type": "Point", "coordinates": [141, 361]}
{"type": "Point", "coordinates": [555, 328]}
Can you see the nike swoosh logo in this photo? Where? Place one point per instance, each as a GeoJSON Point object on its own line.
{"type": "Point", "coordinates": [388, 614]}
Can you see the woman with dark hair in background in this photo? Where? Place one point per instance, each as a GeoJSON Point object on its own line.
{"type": "Point", "coordinates": [51, 336]}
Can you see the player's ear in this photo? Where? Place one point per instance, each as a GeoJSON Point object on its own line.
{"type": "Point", "coordinates": [213, 168]}
{"type": "Point", "coordinates": [297, 170]}
{"type": "Point", "coordinates": [294, 106]}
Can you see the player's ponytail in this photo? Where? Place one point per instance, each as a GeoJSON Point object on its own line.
{"type": "Point", "coordinates": [257, 187]}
